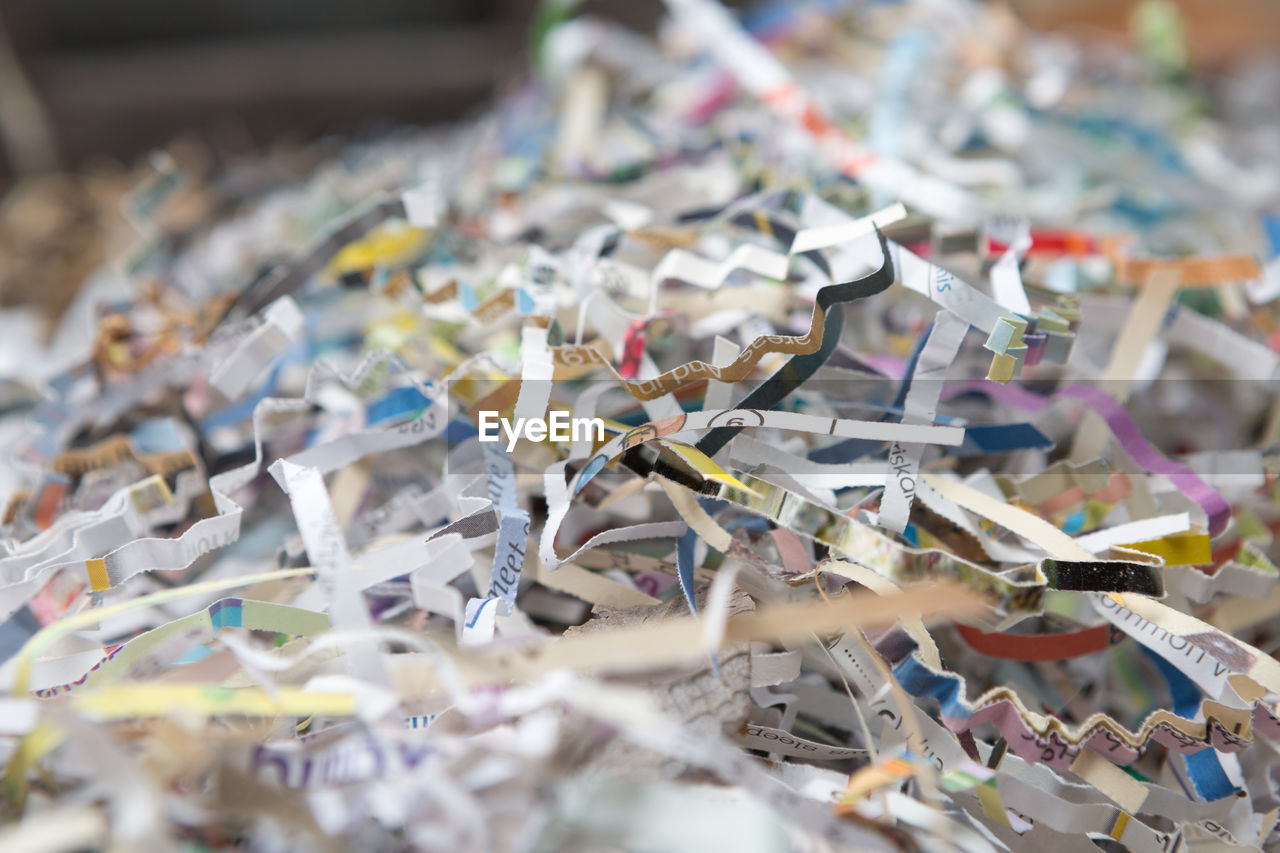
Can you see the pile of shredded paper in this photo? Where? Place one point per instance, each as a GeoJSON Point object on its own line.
{"type": "Point", "coordinates": [832, 427]}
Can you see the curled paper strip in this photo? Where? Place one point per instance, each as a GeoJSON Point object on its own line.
{"type": "Point", "coordinates": [695, 371]}
{"type": "Point", "coordinates": [864, 545]}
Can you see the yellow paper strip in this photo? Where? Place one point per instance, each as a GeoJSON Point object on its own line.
{"type": "Point", "coordinates": [1179, 549]}
{"type": "Point", "coordinates": [125, 701]}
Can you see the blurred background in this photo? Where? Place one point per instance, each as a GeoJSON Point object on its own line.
{"type": "Point", "coordinates": [87, 87]}
{"type": "Point", "coordinates": [110, 80]}
{"type": "Point", "coordinates": [114, 79]}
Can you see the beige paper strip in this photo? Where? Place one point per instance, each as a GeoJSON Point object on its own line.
{"type": "Point", "coordinates": [1139, 330]}
{"type": "Point", "coordinates": [591, 587]}
{"type": "Point", "coordinates": [654, 646]}
{"type": "Point", "coordinates": [1125, 791]}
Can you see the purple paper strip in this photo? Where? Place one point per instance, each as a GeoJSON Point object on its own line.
{"type": "Point", "coordinates": [1126, 432]}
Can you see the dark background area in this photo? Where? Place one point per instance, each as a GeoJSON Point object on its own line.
{"type": "Point", "coordinates": [115, 78]}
